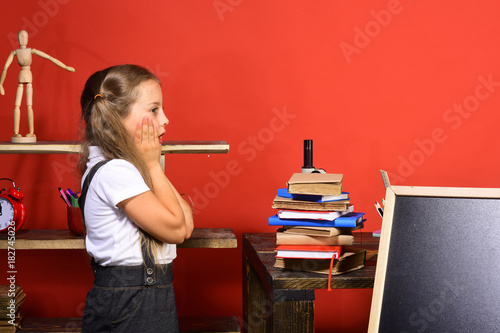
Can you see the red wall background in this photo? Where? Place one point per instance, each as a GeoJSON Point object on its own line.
{"type": "Point", "coordinates": [411, 87]}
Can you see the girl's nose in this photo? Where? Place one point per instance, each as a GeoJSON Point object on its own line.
{"type": "Point", "coordinates": [162, 119]}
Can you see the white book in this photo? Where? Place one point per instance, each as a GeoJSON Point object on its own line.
{"type": "Point", "coordinates": [313, 215]}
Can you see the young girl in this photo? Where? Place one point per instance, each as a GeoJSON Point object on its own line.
{"type": "Point", "coordinates": [133, 214]}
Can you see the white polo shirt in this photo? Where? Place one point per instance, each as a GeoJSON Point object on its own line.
{"type": "Point", "coordinates": [113, 239]}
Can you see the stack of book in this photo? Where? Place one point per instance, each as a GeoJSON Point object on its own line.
{"type": "Point", "coordinates": [315, 219]}
{"type": "Point", "coordinates": [11, 298]}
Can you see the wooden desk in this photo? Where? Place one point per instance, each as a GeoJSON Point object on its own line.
{"type": "Point", "coordinates": [278, 300]}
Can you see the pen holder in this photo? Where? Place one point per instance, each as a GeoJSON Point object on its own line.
{"type": "Point", "coordinates": [75, 220]}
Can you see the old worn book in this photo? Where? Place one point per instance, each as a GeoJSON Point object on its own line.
{"type": "Point", "coordinates": [8, 329]}
{"type": "Point", "coordinates": [283, 238]}
{"type": "Point", "coordinates": [290, 204]}
{"type": "Point", "coordinates": [320, 231]}
{"type": "Point", "coordinates": [18, 300]}
{"type": "Point", "coordinates": [7, 294]}
{"type": "Point", "coordinates": [348, 262]}
{"type": "Point", "coordinates": [315, 183]}
{"type": "Point", "coordinates": [6, 291]}
{"type": "Point", "coordinates": [10, 318]}
{"type": "Point", "coordinates": [10, 323]}
{"type": "Point", "coordinates": [283, 192]}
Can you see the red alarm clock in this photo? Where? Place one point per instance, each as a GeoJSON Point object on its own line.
{"type": "Point", "coordinates": [11, 207]}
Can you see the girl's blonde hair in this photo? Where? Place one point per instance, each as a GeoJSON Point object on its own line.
{"type": "Point", "coordinates": [106, 100]}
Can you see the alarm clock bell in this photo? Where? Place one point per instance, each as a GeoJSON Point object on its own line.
{"type": "Point", "coordinates": [12, 210]}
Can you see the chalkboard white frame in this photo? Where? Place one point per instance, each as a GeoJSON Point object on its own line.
{"type": "Point", "coordinates": [384, 248]}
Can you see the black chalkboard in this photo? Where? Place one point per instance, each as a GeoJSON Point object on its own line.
{"type": "Point", "coordinates": [441, 261]}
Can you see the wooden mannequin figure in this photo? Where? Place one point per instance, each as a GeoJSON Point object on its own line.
{"type": "Point", "coordinates": [23, 55]}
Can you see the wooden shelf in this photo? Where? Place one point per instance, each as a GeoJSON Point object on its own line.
{"type": "Point", "coordinates": [186, 324]}
{"type": "Point", "coordinates": [73, 147]}
{"type": "Point", "coordinates": [62, 239]}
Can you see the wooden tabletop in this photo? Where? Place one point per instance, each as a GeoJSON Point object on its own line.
{"type": "Point", "coordinates": [259, 249]}
{"type": "Point", "coordinates": [40, 239]}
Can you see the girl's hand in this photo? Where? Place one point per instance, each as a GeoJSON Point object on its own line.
{"type": "Point", "coordinates": [147, 142]}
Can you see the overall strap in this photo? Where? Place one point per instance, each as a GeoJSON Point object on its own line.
{"type": "Point", "coordinates": [151, 270]}
{"type": "Point", "coordinates": [149, 273]}
{"type": "Point", "coordinates": [86, 184]}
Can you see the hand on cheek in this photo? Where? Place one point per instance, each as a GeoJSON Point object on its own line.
{"type": "Point", "coordinates": [147, 142]}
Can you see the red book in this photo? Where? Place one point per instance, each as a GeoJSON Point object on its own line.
{"type": "Point", "coordinates": [309, 251]}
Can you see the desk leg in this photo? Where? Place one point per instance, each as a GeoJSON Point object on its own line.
{"type": "Point", "coordinates": [255, 305]}
{"type": "Point", "coordinates": [292, 311]}
{"type": "Point", "coordinates": [277, 311]}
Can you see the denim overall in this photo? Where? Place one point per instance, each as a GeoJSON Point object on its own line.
{"type": "Point", "coordinates": [130, 298]}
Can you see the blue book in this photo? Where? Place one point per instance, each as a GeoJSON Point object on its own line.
{"type": "Point", "coordinates": [350, 220]}
{"type": "Point", "coordinates": [283, 192]}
